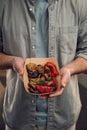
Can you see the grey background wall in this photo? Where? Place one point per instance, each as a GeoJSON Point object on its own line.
{"type": "Point", "coordinates": [82, 121]}
{"type": "Point", "coordinates": [83, 80]}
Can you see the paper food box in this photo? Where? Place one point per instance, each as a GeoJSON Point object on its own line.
{"type": "Point", "coordinates": [41, 76]}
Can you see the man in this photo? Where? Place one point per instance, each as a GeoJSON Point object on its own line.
{"type": "Point", "coordinates": [41, 28]}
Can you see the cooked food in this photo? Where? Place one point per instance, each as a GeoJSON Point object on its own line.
{"type": "Point", "coordinates": [42, 78]}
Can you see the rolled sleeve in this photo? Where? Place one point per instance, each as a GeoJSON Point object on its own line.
{"type": "Point", "coordinates": [82, 32]}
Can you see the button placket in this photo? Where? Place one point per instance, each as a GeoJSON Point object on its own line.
{"type": "Point", "coordinates": [33, 46]}
{"type": "Point", "coordinates": [33, 101]}
{"type": "Point", "coordinates": [52, 31]}
{"type": "Point", "coordinates": [30, 9]}
{"type": "Point", "coordinates": [33, 28]}
{"type": "Point", "coordinates": [33, 40]}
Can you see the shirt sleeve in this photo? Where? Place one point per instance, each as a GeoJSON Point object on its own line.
{"type": "Point", "coordinates": [2, 4]}
{"type": "Point", "coordinates": [82, 30]}
{"type": "Point", "coordinates": [1, 41]}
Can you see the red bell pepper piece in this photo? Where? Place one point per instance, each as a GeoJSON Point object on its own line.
{"type": "Point", "coordinates": [53, 70]}
{"type": "Point", "coordinates": [43, 89]}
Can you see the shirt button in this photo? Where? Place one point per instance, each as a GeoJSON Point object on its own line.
{"type": "Point", "coordinates": [32, 101]}
{"type": "Point", "coordinates": [33, 47]}
{"type": "Point", "coordinates": [33, 28]}
{"type": "Point", "coordinates": [30, 9]}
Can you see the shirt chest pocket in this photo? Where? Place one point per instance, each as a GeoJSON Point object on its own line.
{"type": "Point", "coordinates": [67, 39]}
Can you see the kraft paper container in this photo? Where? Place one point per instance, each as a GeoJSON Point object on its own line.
{"type": "Point", "coordinates": [39, 61]}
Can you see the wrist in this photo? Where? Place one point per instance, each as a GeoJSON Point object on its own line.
{"type": "Point", "coordinates": [11, 60]}
{"type": "Point", "coordinates": [71, 68]}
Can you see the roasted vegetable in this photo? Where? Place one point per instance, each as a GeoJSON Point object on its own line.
{"type": "Point", "coordinates": [42, 78]}
{"type": "Point", "coordinates": [53, 69]}
{"type": "Point", "coordinates": [43, 89]}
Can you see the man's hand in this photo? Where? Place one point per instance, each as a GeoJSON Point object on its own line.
{"type": "Point", "coordinates": [65, 78]}
{"type": "Point", "coordinates": [12, 62]}
{"type": "Point", "coordinates": [18, 66]}
{"type": "Point", "coordinates": [78, 65]}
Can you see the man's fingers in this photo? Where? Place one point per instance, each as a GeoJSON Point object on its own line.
{"type": "Point", "coordinates": [57, 93]}
{"type": "Point", "coordinates": [18, 66]}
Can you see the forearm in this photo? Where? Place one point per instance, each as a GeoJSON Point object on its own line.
{"type": "Point", "coordinates": [6, 61]}
{"type": "Point", "coordinates": [77, 66]}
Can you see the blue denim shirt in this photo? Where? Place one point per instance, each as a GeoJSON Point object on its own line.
{"type": "Point", "coordinates": [41, 14]}
{"type": "Point", "coordinates": [67, 40]}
